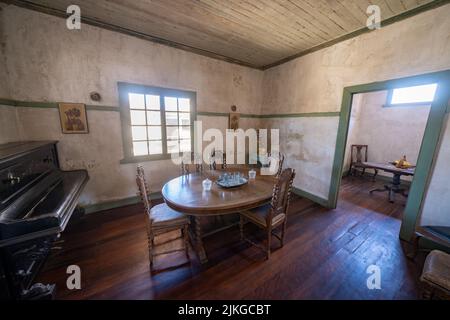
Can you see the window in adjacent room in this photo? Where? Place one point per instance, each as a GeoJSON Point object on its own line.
{"type": "Point", "coordinates": [416, 95]}
{"type": "Point", "coordinates": [156, 122]}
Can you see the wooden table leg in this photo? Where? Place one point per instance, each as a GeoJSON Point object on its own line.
{"type": "Point", "coordinates": [386, 188]}
{"type": "Point", "coordinates": [199, 241]}
{"type": "Point", "coordinates": [392, 188]}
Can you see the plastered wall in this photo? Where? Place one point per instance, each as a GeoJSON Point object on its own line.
{"type": "Point", "coordinates": [47, 62]}
{"type": "Point", "coordinates": [315, 82]}
{"type": "Point", "coordinates": [9, 127]}
{"type": "Point", "coordinates": [305, 141]}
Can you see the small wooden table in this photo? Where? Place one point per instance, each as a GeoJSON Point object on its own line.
{"type": "Point", "coordinates": [394, 187]}
{"type": "Point", "coordinates": [185, 194]}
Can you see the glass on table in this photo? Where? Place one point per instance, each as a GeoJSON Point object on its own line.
{"type": "Point", "coordinates": [207, 184]}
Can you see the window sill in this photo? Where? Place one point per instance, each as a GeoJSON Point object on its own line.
{"type": "Point", "coordinates": [138, 159]}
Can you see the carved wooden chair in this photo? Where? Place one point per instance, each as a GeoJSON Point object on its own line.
{"type": "Point", "coordinates": [280, 159]}
{"type": "Point", "coordinates": [273, 215]}
{"type": "Point", "coordinates": [195, 165]}
{"type": "Point", "coordinates": [161, 219]}
{"type": "Point", "coordinates": [357, 160]}
{"type": "Point", "coordinates": [215, 156]}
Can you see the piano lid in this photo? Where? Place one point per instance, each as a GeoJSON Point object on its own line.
{"type": "Point", "coordinates": [36, 197]}
{"type": "Point", "coordinates": [13, 149]}
{"type": "Point", "coordinates": [33, 216]}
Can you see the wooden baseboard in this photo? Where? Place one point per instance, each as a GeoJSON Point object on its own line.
{"type": "Point", "coordinates": [319, 200]}
{"type": "Point", "coordinates": [107, 205]}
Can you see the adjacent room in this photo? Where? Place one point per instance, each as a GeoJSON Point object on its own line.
{"type": "Point", "coordinates": [386, 130]}
{"type": "Point", "coordinates": [224, 150]}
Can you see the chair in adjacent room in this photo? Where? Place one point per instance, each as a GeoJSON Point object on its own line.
{"type": "Point", "coordinates": [273, 215]}
{"type": "Point", "coordinates": [161, 219]}
{"type": "Point", "coordinates": [357, 160]}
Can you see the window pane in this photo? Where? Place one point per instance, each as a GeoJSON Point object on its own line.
{"type": "Point", "coordinates": [171, 118]}
{"type": "Point", "coordinates": [184, 104]}
{"type": "Point", "coordinates": [138, 133]}
{"type": "Point", "coordinates": [154, 117]}
{"type": "Point", "coordinates": [172, 146]}
{"type": "Point", "coordinates": [172, 133]}
{"type": "Point", "coordinates": [185, 119]}
{"type": "Point", "coordinates": [140, 148]}
{"type": "Point", "coordinates": [155, 147]}
{"type": "Point", "coordinates": [136, 101]}
{"type": "Point", "coordinates": [185, 145]}
{"type": "Point", "coordinates": [154, 133]}
{"type": "Point", "coordinates": [185, 132]}
{"type": "Point", "coordinates": [152, 102]}
{"type": "Point", "coordinates": [170, 103]}
{"type": "Point", "coordinates": [137, 117]}
{"type": "Point", "coordinates": [414, 94]}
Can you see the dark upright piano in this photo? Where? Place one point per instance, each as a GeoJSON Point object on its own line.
{"type": "Point", "coordinates": [37, 200]}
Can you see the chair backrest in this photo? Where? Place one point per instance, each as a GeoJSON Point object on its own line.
{"type": "Point", "coordinates": [281, 194]}
{"type": "Point", "coordinates": [218, 155]}
{"type": "Point", "coordinates": [280, 159]}
{"type": "Point", "coordinates": [143, 189]}
{"type": "Point", "coordinates": [358, 157]}
{"type": "Point", "coordinates": [195, 161]}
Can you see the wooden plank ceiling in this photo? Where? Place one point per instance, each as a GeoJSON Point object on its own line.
{"type": "Point", "coordinates": [256, 33]}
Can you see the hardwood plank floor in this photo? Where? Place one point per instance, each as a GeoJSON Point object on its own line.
{"type": "Point", "coordinates": [325, 256]}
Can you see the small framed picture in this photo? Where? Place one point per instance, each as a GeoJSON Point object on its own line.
{"type": "Point", "coordinates": [73, 118]}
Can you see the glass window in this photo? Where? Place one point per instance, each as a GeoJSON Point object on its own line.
{"type": "Point", "coordinates": [160, 120]}
{"type": "Point", "coordinates": [413, 95]}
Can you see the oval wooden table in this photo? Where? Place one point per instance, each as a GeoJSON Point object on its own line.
{"type": "Point", "coordinates": [185, 194]}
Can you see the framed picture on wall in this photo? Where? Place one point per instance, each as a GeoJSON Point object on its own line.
{"type": "Point", "coordinates": [73, 118]}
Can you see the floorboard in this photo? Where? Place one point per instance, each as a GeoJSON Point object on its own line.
{"type": "Point", "coordinates": [325, 256]}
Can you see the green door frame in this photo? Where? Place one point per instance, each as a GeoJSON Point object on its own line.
{"type": "Point", "coordinates": [427, 150]}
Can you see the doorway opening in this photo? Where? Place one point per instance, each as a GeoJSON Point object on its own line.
{"type": "Point", "coordinates": [429, 144]}
{"type": "Point", "coordinates": [386, 130]}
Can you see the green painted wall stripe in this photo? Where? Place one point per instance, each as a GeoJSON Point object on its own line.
{"type": "Point", "coordinates": [44, 104]}
{"type": "Point", "coordinates": [267, 116]}
{"type": "Point", "coordinates": [107, 205]}
{"type": "Point", "coordinates": [101, 108]}
{"type": "Point", "coordinates": [28, 104]}
{"type": "Point", "coordinates": [301, 115]}
{"type": "Point", "coordinates": [319, 200]}
{"type": "Point", "coordinates": [212, 114]}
